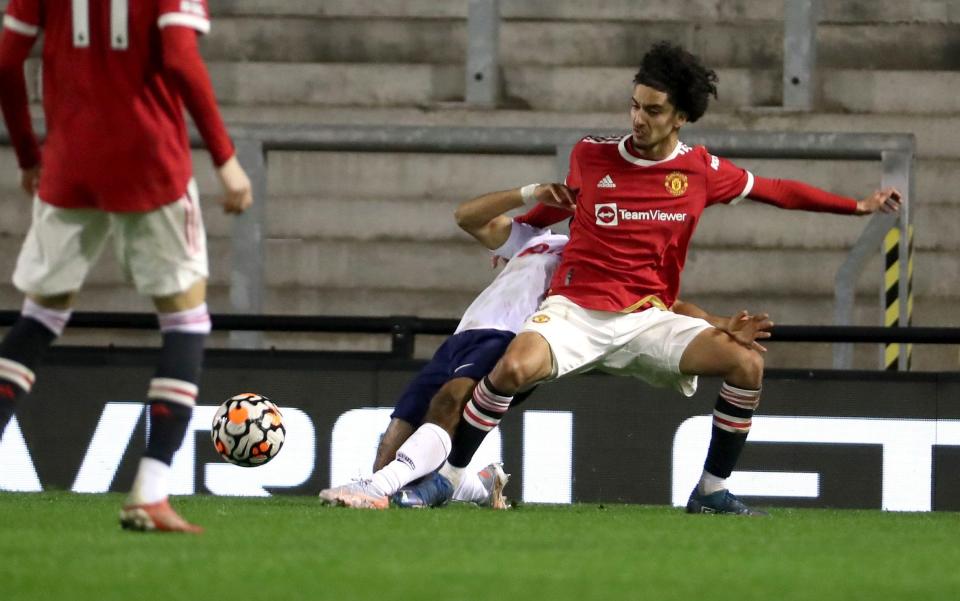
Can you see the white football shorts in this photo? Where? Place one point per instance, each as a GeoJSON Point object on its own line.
{"type": "Point", "coordinates": [646, 345]}
{"type": "Point", "coordinates": [162, 252]}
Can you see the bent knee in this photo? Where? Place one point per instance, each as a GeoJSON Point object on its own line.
{"type": "Point", "coordinates": [750, 369]}
{"type": "Point", "coordinates": [514, 371]}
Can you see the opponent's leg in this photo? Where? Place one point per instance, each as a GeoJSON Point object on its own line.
{"type": "Point", "coordinates": [419, 455]}
{"type": "Point", "coordinates": [527, 360]}
{"type": "Point", "coordinates": [171, 398]}
{"type": "Point", "coordinates": [714, 353]}
{"type": "Point", "coordinates": [41, 321]}
{"type": "Point", "coordinates": [397, 432]}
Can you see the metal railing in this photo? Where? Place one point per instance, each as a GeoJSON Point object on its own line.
{"type": "Point", "coordinates": [403, 329]}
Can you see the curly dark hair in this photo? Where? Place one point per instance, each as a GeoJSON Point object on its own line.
{"type": "Point", "coordinates": [687, 83]}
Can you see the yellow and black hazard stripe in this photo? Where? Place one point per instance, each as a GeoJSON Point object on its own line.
{"type": "Point", "coordinates": [891, 281]}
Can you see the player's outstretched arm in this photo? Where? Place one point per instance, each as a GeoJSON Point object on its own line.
{"type": "Point", "coordinates": [484, 217]}
{"type": "Point", "coordinates": [790, 194]}
{"type": "Point", "coordinates": [14, 49]}
{"type": "Point", "coordinates": [184, 66]}
{"type": "Point", "coordinates": [745, 328]}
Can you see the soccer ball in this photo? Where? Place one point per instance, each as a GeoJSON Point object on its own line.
{"type": "Point", "coordinates": [248, 430]}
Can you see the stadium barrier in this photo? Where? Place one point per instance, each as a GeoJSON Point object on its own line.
{"type": "Point", "coordinates": [403, 329]}
{"type": "Point", "coordinates": [826, 438]}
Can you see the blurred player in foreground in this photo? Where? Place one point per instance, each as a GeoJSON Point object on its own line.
{"type": "Point", "coordinates": [636, 200]}
{"type": "Point", "coordinates": [116, 77]}
{"type": "Point", "coordinates": [437, 397]}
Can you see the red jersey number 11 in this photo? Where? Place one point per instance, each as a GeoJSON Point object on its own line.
{"type": "Point", "coordinates": [119, 30]}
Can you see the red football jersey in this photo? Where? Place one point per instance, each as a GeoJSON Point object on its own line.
{"type": "Point", "coordinates": [116, 137]}
{"type": "Point", "coordinates": [634, 220]}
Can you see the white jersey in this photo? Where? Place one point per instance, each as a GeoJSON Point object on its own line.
{"type": "Point", "coordinates": [533, 255]}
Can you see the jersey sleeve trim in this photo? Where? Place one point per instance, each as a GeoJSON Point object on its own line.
{"type": "Point", "coordinates": [747, 188]}
{"type": "Point", "coordinates": [14, 24]}
{"type": "Point", "coordinates": [184, 20]}
{"type": "Point", "coordinates": [520, 235]}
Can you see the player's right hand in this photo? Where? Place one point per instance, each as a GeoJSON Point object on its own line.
{"type": "Point", "coordinates": [30, 180]}
{"type": "Point", "coordinates": [238, 192]}
{"type": "Point", "coordinates": [556, 195]}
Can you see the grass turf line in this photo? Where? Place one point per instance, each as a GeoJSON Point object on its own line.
{"type": "Point", "coordinates": [69, 546]}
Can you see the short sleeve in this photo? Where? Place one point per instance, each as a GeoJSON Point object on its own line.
{"type": "Point", "coordinates": [23, 17]}
{"type": "Point", "coordinates": [192, 14]}
{"type": "Point", "coordinates": [520, 235]}
{"type": "Point", "coordinates": [726, 183]}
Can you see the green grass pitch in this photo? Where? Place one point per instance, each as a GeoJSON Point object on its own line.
{"type": "Point", "coordinates": [62, 546]}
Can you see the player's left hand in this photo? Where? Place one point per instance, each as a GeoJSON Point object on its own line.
{"type": "Point", "coordinates": [237, 190]}
{"type": "Point", "coordinates": [30, 180]}
{"type": "Point", "coordinates": [556, 195]}
{"type": "Point", "coordinates": [885, 201]}
{"type": "Point", "coordinates": [746, 329]}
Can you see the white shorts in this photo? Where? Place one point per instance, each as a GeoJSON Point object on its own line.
{"type": "Point", "coordinates": [646, 345]}
{"type": "Point", "coordinates": [162, 252]}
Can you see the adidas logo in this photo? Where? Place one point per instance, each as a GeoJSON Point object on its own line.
{"type": "Point", "coordinates": [606, 182]}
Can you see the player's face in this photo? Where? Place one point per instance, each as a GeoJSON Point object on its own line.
{"type": "Point", "coordinates": [655, 119]}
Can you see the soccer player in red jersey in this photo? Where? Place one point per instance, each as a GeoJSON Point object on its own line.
{"type": "Point", "coordinates": [635, 202]}
{"type": "Point", "coordinates": [116, 160]}
{"type": "Point", "coordinates": [431, 407]}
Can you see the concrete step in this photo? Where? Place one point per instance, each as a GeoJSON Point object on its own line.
{"type": "Point", "coordinates": [452, 266]}
{"type": "Point", "coordinates": [788, 271]}
{"type": "Point", "coordinates": [585, 42]}
{"type": "Point", "coordinates": [748, 224]}
{"type": "Point", "coordinates": [561, 88]}
{"type": "Point", "coordinates": [445, 177]}
{"type": "Point", "coordinates": [457, 177]}
{"type": "Point", "coordinates": [759, 226]}
{"type": "Point", "coordinates": [408, 265]}
{"type": "Point", "coordinates": [296, 220]}
{"type": "Point", "coordinates": [735, 11]}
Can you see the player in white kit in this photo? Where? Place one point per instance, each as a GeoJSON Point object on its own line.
{"type": "Point", "coordinates": [435, 398]}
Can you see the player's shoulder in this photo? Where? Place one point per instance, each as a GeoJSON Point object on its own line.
{"type": "Point", "coordinates": [698, 155]}
{"type": "Point", "coordinates": [595, 144]}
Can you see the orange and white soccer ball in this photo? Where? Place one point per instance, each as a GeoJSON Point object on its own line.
{"type": "Point", "coordinates": [248, 430]}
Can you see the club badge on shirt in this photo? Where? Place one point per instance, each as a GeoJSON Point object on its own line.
{"type": "Point", "coordinates": [676, 183]}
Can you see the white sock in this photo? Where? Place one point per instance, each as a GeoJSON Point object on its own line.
{"type": "Point", "coordinates": [710, 484]}
{"type": "Point", "coordinates": [426, 448]}
{"type": "Point", "coordinates": [471, 489]}
{"type": "Point", "coordinates": [452, 473]}
{"type": "Point", "coordinates": [151, 484]}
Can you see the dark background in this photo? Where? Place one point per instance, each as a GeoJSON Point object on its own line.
{"type": "Point", "coordinates": [623, 429]}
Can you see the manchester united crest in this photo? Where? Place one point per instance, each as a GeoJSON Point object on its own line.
{"type": "Point", "coordinates": [676, 183]}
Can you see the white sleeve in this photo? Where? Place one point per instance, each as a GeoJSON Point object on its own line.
{"type": "Point", "coordinates": [190, 13]}
{"type": "Point", "coordinates": [520, 234]}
